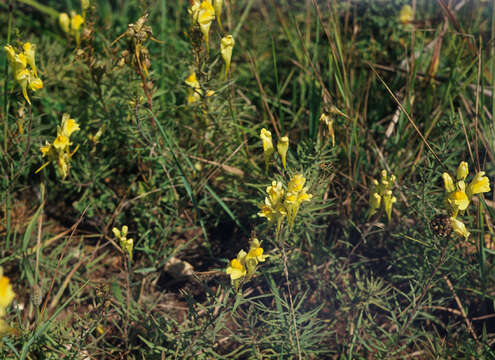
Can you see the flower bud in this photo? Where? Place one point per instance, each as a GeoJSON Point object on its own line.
{"type": "Point", "coordinates": [226, 45]}
{"type": "Point", "coordinates": [282, 148]}
{"type": "Point", "coordinates": [462, 171]}
{"type": "Point", "coordinates": [64, 22]}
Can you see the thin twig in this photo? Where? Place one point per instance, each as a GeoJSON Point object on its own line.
{"type": "Point", "coordinates": [461, 308]}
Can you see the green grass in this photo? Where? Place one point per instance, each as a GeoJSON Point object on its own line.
{"type": "Point", "coordinates": [188, 178]}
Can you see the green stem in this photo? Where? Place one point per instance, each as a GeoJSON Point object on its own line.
{"type": "Point", "coordinates": [492, 70]}
{"type": "Point", "coordinates": [6, 83]}
{"type": "Point", "coordinates": [5, 122]}
{"type": "Point", "coordinates": [41, 8]}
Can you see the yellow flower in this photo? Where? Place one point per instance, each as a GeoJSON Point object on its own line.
{"type": "Point", "coordinates": [388, 201]}
{"type": "Point", "coordinates": [75, 22]}
{"type": "Point", "coordinates": [273, 208]}
{"type": "Point", "coordinates": [64, 22]}
{"type": "Point", "coordinates": [296, 183]}
{"type": "Point", "coordinates": [256, 251]}
{"type": "Point", "coordinates": [296, 195]}
{"type": "Point", "coordinates": [226, 45]}
{"type": "Point", "coordinates": [68, 125]}
{"type": "Point", "coordinates": [206, 15]}
{"type": "Point", "coordinates": [192, 80]}
{"type": "Point", "coordinates": [459, 227]}
{"type": "Point", "coordinates": [266, 138]}
{"type": "Point", "coordinates": [218, 11]}
{"type": "Point", "coordinates": [480, 184]}
{"type": "Point", "coordinates": [75, 25]}
{"type": "Point", "coordinates": [45, 149]}
{"type": "Point", "coordinates": [448, 183]}
{"type": "Point", "coordinates": [458, 199]}
{"type": "Point", "coordinates": [61, 142]}
{"type": "Point", "coordinates": [10, 53]}
{"type": "Point", "coordinates": [63, 163]}
{"type": "Point", "coordinates": [328, 121]}
{"type": "Point", "coordinates": [35, 84]}
{"type": "Point", "coordinates": [275, 192]}
{"type": "Point", "coordinates": [406, 14]}
{"type": "Point", "coordinates": [374, 202]}
{"type": "Point", "coordinates": [282, 148]}
{"type": "Point", "coordinates": [6, 293]}
{"type": "Point", "coordinates": [194, 10]}
{"type": "Point", "coordinates": [22, 78]}
{"type": "Point", "coordinates": [195, 92]}
{"type": "Point", "coordinates": [29, 54]}
{"type": "Point", "coordinates": [462, 171]}
{"type": "Point", "coordinates": [84, 5]}
{"type": "Point", "coordinates": [236, 268]}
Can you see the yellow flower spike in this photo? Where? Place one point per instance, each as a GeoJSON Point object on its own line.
{"type": "Point", "coordinates": [406, 14]}
{"type": "Point", "coordinates": [266, 138]}
{"type": "Point", "coordinates": [480, 184]}
{"type": "Point", "coordinates": [462, 171]}
{"type": "Point", "coordinates": [29, 55]}
{"type": "Point", "coordinates": [218, 11]}
{"type": "Point", "coordinates": [206, 15]}
{"type": "Point", "coordinates": [282, 148]}
{"type": "Point", "coordinates": [61, 142]}
{"type": "Point", "coordinates": [459, 227]}
{"type": "Point", "coordinates": [64, 22]}
{"type": "Point", "coordinates": [226, 45]}
{"type": "Point", "coordinates": [68, 125]}
{"type": "Point", "coordinates": [236, 268]}
{"type": "Point", "coordinates": [448, 183]}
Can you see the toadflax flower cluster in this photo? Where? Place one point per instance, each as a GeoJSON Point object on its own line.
{"type": "Point", "coordinates": [59, 151]}
{"type": "Point", "coordinates": [23, 75]}
{"type": "Point", "coordinates": [280, 204]}
{"type": "Point", "coordinates": [72, 25]}
{"type": "Point", "coordinates": [458, 195]}
{"type": "Point", "coordinates": [125, 244]}
{"type": "Point", "coordinates": [381, 193]}
{"type": "Point", "coordinates": [244, 265]}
